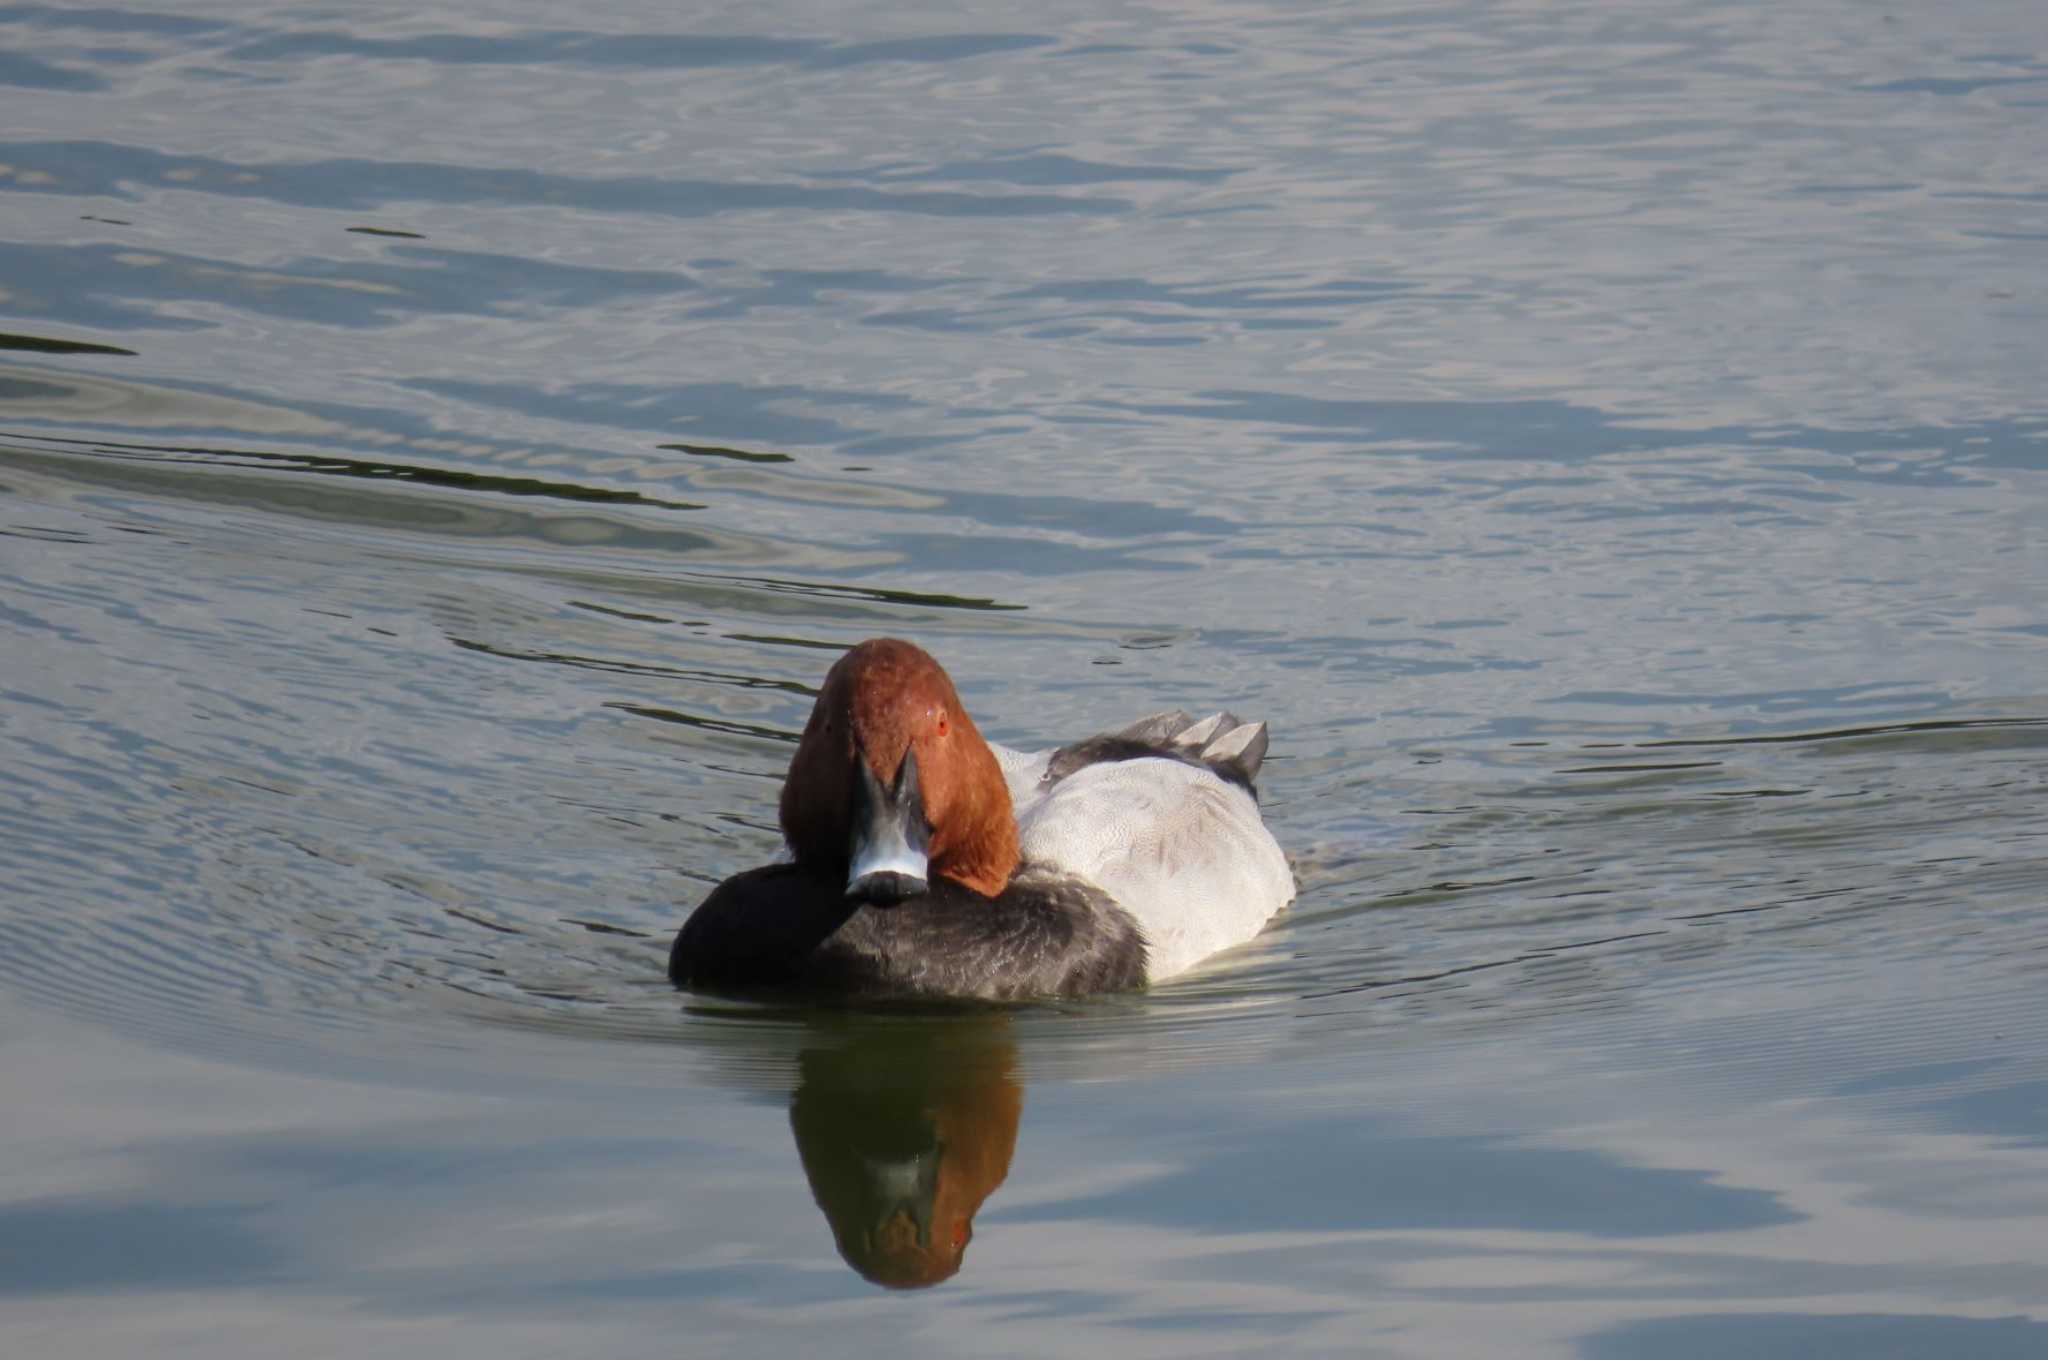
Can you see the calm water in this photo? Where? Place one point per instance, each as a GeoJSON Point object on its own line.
{"type": "Point", "coordinates": [440, 448]}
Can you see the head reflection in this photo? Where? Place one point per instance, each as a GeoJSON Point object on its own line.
{"type": "Point", "coordinates": [904, 1128]}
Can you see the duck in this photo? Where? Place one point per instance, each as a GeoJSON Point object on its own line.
{"type": "Point", "coordinates": [924, 862]}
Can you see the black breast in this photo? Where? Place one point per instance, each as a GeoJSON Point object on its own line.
{"type": "Point", "coordinates": [784, 927]}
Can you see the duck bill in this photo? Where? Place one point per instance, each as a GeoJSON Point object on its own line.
{"type": "Point", "coordinates": [887, 860]}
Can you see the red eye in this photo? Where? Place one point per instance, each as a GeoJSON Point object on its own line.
{"type": "Point", "coordinates": [942, 727]}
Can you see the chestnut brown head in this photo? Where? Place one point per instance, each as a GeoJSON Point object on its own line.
{"type": "Point", "coordinates": [890, 754]}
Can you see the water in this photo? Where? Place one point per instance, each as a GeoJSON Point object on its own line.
{"type": "Point", "coordinates": [440, 449]}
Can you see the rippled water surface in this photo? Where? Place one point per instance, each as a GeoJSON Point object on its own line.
{"type": "Point", "coordinates": [442, 449]}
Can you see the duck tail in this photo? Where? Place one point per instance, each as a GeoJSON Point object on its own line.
{"type": "Point", "coordinates": [1221, 740]}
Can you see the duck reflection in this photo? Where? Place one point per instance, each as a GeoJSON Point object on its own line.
{"type": "Point", "coordinates": [904, 1129]}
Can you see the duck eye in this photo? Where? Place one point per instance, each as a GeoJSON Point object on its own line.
{"type": "Point", "coordinates": [942, 727]}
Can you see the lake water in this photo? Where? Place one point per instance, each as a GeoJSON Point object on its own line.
{"type": "Point", "coordinates": [441, 449]}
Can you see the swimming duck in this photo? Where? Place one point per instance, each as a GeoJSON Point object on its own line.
{"type": "Point", "coordinates": [927, 862]}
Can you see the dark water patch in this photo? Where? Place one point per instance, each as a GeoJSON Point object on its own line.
{"type": "Point", "coordinates": [826, 590]}
{"type": "Point", "coordinates": [110, 169]}
{"type": "Point", "coordinates": [1290, 324]}
{"type": "Point", "coordinates": [704, 724]}
{"type": "Point", "coordinates": [1114, 517]}
{"type": "Point", "coordinates": [422, 1162]}
{"type": "Point", "coordinates": [108, 19]}
{"type": "Point", "coordinates": [120, 287]}
{"type": "Point", "coordinates": [624, 666]}
{"type": "Point", "coordinates": [43, 344]}
{"type": "Point", "coordinates": [1799, 1336]}
{"type": "Point", "coordinates": [1033, 1304]}
{"type": "Point", "coordinates": [1027, 556]}
{"type": "Point", "coordinates": [1916, 1077]}
{"type": "Point", "coordinates": [1550, 430]}
{"type": "Point", "coordinates": [964, 321]}
{"type": "Point", "coordinates": [1855, 190]}
{"type": "Point", "coordinates": [790, 1284]}
{"type": "Point", "coordinates": [1919, 735]}
{"type": "Point", "coordinates": [327, 465]}
{"type": "Point", "coordinates": [41, 535]}
{"type": "Point", "coordinates": [1282, 1181]}
{"type": "Point", "coordinates": [1879, 695]}
{"type": "Point", "coordinates": [736, 455]}
{"type": "Point", "coordinates": [1151, 341]}
{"type": "Point", "coordinates": [26, 72]}
{"type": "Point", "coordinates": [746, 412]}
{"type": "Point", "coordinates": [637, 51]}
{"type": "Point", "coordinates": [28, 396]}
{"type": "Point", "coordinates": [101, 1247]}
{"type": "Point", "coordinates": [650, 51]}
{"type": "Point", "coordinates": [934, 48]}
{"type": "Point", "coordinates": [1517, 429]}
{"type": "Point", "coordinates": [2017, 1111]}
{"type": "Point", "coordinates": [813, 644]}
{"type": "Point", "coordinates": [1264, 1326]}
{"type": "Point", "coordinates": [885, 445]}
{"type": "Point", "coordinates": [1265, 296]}
{"type": "Point", "coordinates": [205, 478]}
{"type": "Point", "coordinates": [801, 290]}
{"type": "Point", "coordinates": [1951, 85]}
{"type": "Point", "coordinates": [1041, 169]}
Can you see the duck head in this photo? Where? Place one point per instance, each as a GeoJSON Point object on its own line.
{"type": "Point", "coordinates": [893, 784]}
